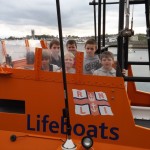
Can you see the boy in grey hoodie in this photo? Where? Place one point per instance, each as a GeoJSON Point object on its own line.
{"type": "Point", "coordinates": [107, 61]}
{"type": "Point", "coordinates": [91, 60]}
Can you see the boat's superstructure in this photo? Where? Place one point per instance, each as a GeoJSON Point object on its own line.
{"type": "Point", "coordinates": [32, 102]}
{"type": "Point", "coordinates": [36, 113]}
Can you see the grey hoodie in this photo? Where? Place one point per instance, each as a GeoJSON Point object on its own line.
{"type": "Point", "coordinates": [103, 72]}
{"type": "Point", "coordinates": [91, 64]}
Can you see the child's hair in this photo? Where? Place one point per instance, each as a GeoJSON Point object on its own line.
{"type": "Point", "coordinates": [70, 55]}
{"type": "Point", "coordinates": [45, 55]}
{"type": "Point", "coordinates": [71, 42]}
{"type": "Point", "coordinates": [30, 57]}
{"type": "Point", "coordinates": [54, 42]}
{"type": "Point", "coordinates": [107, 54]}
{"type": "Point", "coordinates": [90, 41]}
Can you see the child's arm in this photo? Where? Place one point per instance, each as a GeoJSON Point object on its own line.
{"type": "Point", "coordinates": [124, 72]}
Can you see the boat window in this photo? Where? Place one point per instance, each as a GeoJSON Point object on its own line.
{"type": "Point", "coordinates": [51, 59]}
{"type": "Point", "coordinates": [51, 62]}
{"type": "Point", "coordinates": [25, 63]}
{"type": "Point", "coordinates": [12, 106]}
{"type": "Point", "coordinates": [12, 51]}
{"type": "Point", "coordinates": [16, 54]}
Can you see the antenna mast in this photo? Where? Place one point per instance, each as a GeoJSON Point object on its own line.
{"type": "Point", "coordinates": [68, 145]}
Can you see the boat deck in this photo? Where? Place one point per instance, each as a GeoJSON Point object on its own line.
{"type": "Point", "coordinates": [35, 142]}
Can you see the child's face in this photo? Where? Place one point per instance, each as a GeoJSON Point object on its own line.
{"type": "Point", "coordinates": [72, 48]}
{"type": "Point", "coordinates": [90, 50]}
{"type": "Point", "coordinates": [45, 62]}
{"type": "Point", "coordinates": [69, 61]}
{"type": "Point", "coordinates": [55, 49]}
{"type": "Point", "coordinates": [107, 63]}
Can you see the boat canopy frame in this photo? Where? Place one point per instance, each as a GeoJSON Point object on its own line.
{"type": "Point", "coordinates": [122, 39]}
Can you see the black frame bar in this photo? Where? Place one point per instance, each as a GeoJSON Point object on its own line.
{"type": "Point", "coordinates": [147, 13]}
{"type": "Point", "coordinates": [138, 63]}
{"type": "Point", "coordinates": [137, 79]}
{"type": "Point", "coordinates": [95, 30]}
{"type": "Point", "coordinates": [66, 110]}
{"type": "Point", "coordinates": [104, 21]}
{"type": "Point", "coordinates": [99, 26]}
{"type": "Point", "coordinates": [123, 41]}
{"type": "Point", "coordinates": [111, 3]}
{"type": "Point", "coordinates": [120, 57]}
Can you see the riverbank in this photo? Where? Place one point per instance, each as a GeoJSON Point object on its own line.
{"type": "Point", "coordinates": [138, 46]}
{"type": "Point", "coordinates": [132, 45]}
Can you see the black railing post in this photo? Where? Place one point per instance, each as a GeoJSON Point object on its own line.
{"type": "Point", "coordinates": [147, 11]}
{"type": "Point", "coordinates": [104, 21]}
{"type": "Point", "coordinates": [126, 51]}
{"type": "Point", "coordinates": [120, 38]}
{"type": "Point", "coordinates": [63, 69]}
{"type": "Point", "coordinates": [99, 26]}
{"type": "Point", "coordinates": [95, 31]}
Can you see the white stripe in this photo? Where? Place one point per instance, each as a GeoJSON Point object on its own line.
{"type": "Point", "coordinates": [82, 110]}
{"type": "Point", "coordinates": [140, 112]}
{"type": "Point", "coordinates": [79, 94]}
{"type": "Point", "coordinates": [101, 96]}
{"type": "Point", "coordinates": [105, 110]}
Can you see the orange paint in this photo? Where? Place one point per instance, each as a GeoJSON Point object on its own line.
{"type": "Point", "coordinates": [27, 45]}
{"type": "Point", "coordinates": [41, 124]}
{"type": "Point", "coordinates": [43, 44]}
{"type": "Point", "coordinates": [138, 98]}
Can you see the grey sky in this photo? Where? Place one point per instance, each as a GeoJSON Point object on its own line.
{"type": "Point", "coordinates": [18, 17]}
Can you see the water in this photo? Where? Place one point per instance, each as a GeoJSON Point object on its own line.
{"type": "Point", "coordinates": [17, 50]}
{"type": "Point", "coordinates": [140, 70]}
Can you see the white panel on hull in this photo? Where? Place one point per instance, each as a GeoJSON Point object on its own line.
{"type": "Point", "coordinates": [141, 112]}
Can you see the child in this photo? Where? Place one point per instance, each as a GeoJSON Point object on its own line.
{"type": "Point", "coordinates": [46, 59]}
{"type": "Point", "coordinates": [71, 46]}
{"type": "Point", "coordinates": [69, 61]}
{"type": "Point", "coordinates": [91, 61]}
{"type": "Point", "coordinates": [107, 61]}
{"type": "Point", "coordinates": [55, 50]}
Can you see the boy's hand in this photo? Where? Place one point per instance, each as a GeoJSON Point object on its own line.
{"type": "Point", "coordinates": [124, 72]}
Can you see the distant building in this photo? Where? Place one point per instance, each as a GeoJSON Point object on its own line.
{"type": "Point", "coordinates": [33, 34]}
{"type": "Point", "coordinates": [112, 39]}
{"type": "Point", "coordinates": [134, 38]}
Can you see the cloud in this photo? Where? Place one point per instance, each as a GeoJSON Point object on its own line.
{"type": "Point", "coordinates": [18, 17]}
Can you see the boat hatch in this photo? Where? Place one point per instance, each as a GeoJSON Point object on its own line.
{"type": "Point", "coordinates": [12, 106]}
